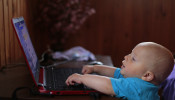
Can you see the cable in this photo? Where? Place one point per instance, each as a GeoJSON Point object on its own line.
{"type": "Point", "coordinates": [32, 91]}
{"type": "Point", "coordinates": [14, 96]}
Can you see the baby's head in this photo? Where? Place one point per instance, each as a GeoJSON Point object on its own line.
{"type": "Point", "coordinates": [148, 61]}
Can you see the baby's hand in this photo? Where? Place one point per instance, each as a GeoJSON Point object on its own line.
{"type": "Point", "coordinates": [74, 78]}
{"type": "Point", "coordinates": [88, 69]}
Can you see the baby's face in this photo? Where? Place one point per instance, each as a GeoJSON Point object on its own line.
{"type": "Point", "coordinates": [135, 64]}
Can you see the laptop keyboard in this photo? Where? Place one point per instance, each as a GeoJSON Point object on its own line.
{"type": "Point", "coordinates": [56, 78]}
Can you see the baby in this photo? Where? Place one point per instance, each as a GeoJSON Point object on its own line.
{"type": "Point", "coordinates": [142, 71]}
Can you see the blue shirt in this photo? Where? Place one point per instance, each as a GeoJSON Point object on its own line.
{"type": "Point", "coordinates": [133, 88]}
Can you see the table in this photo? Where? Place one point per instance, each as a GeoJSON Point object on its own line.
{"type": "Point", "coordinates": [19, 76]}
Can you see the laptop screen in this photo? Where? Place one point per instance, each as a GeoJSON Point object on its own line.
{"type": "Point", "coordinates": [26, 44]}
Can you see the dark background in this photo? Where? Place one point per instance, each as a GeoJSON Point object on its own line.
{"type": "Point", "coordinates": [114, 30]}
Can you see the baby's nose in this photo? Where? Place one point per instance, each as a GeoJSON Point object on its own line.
{"type": "Point", "coordinates": [126, 57]}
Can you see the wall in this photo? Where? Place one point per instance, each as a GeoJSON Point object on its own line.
{"type": "Point", "coordinates": [119, 25]}
{"type": "Point", "coordinates": [114, 30]}
{"type": "Point", "coordinates": [10, 52]}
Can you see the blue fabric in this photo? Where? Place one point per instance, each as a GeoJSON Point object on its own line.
{"type": "Point", "coordinates": [169, 87]}
{"type": "Point", "coordinates": [133, 88]}
{"type": "Point", "coordinates": [117, 73]}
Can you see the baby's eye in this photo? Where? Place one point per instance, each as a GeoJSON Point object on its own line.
{"type": "Point", "coordinates": [133, 58]}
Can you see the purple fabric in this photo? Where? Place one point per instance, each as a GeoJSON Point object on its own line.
{"type": "Point", "coordinates": [169, 87]}
{"type": "Point", "coordinates": [77, 53]}
{"type": "Point", "coordinates": [172, 75]}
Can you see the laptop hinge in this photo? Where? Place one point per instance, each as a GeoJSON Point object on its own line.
{"type": "Point", "coordinates": [41, 77]}
{"type": "Point", "coordinates": [40, 84]}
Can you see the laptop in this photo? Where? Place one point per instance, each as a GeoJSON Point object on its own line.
{"type": "Point", "coordinates": [48, 79]}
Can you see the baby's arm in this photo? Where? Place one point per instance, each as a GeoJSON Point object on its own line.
{"type": "Point", "coordinates": [99, 83]}
{"type": "Point", "coordinates": [100, 69]}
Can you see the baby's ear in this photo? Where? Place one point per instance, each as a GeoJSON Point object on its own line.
{"type": "Point", "coordinates": [148, 76]}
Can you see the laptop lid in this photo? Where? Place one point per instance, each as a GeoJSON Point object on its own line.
{"type": "Point", "coordinates": [32, 60]}
{"type": "Point", "coordinates": [27, 47]}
